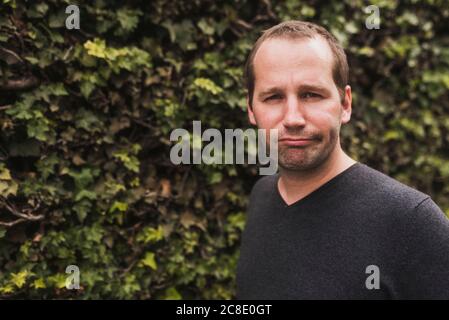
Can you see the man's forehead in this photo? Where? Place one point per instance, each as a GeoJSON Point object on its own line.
{"type": "Point", "coordinates": [285, 52]}
{"type": "Point", "coordinates": [305, 61]}
{"type": "Point", "coordinates": [304, 86]}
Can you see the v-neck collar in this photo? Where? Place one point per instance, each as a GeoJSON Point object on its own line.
{"type": "Point", "coordinates": [318, 190]}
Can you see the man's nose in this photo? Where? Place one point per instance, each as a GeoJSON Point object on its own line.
{"type": "Point", "coordinates": [294, 113]}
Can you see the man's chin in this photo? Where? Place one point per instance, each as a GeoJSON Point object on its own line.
{"type": "Point", "coordinates": [299, 159]}
{"type": "Point", "coordinates": [297, 164]}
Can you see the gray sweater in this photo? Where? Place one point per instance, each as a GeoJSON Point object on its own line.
{"type": "Point", "coordinates": [361, 235]}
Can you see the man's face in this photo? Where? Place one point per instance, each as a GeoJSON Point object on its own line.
{"type": "Point", "coordinates": [295, 93]}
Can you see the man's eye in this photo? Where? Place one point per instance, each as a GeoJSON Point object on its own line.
{"type": "Point", "coordinates": [273, 97]}
{"type": "Point", "coordinates": [309, 95]}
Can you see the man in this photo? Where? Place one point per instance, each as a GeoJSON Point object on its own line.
{"type": "Point", "coordinates": [327, 226]}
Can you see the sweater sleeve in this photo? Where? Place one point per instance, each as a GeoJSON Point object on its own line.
{"type": "Point", "coordinates": [425, 272]}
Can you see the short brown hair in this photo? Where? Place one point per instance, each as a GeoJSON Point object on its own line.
{"type": "Point", "coordinates": [300, 29]}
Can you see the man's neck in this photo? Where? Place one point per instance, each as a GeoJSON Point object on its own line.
{"type": "Point", "coordinates": [295, 185]}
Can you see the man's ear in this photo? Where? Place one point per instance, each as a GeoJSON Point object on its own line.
{"type": "Point", "coordinates": [347, 106]}
{"type": "Point", "coordinates": [251, 117]}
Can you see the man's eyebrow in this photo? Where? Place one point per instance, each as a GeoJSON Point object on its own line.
{"type": "Point", "coordinates": [313, 87]}
{"type": "Point", "coordinates": [269, 91]}
{"type": "Point", "coordinates": [303, 87]}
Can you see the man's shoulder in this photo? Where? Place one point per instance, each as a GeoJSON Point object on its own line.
{"type": "Point", "coordinates": [265, 184]}
{"type": "Point", "coordinates": [384, 196]}
{"type": "Point", "coordinates": [389, 188]}
{"type": "Point", "coordinates": [366, 184]}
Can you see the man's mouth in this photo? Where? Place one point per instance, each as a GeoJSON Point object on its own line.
{"type": "Point", "coordinates": [296, 142]}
